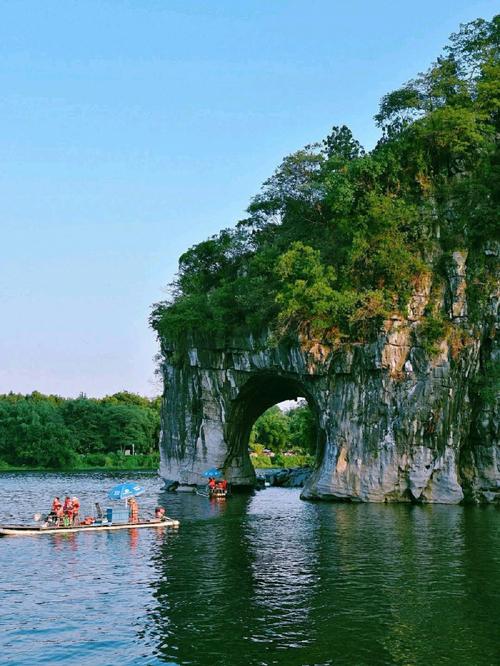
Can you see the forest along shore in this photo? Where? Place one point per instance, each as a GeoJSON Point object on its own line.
{"type": "Point", "coordinates": [50, 432]}
{"type": "Point", "coordinates": [120, 432]}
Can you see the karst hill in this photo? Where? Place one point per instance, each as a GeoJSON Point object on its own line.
{"type": "Point", "coordinates": [366, 282]}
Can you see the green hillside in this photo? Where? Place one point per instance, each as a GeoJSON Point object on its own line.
{"type": "Point", "coordinates": [338, 237]}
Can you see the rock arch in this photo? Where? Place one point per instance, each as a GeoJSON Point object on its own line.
{"type": "Point", "coordinates": [212, 399]}
{"type": "Point", "coordinates": [397, 423]}
{"type": "Point", "coordinates": [260, 392]}
{"type": "Point", "coordinates": [393, 423]}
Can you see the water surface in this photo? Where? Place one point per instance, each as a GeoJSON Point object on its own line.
{"type": "Point", "coordinates": [261, 579]}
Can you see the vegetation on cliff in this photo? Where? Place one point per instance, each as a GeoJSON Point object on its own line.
{"type": "Point", "coordinates": [338, 237]}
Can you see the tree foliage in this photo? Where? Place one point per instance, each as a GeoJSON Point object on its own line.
{"type": "Point", "coordinates": [271, 430]}
{"type": "Point", "coordinates": [338, 237]}
{"type": "Point", "coordinates": [49, 431]}
{"type": "Point", "coordinates": [280, 430]}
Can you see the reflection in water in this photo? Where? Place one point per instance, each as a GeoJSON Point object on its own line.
{"type": "Point", "coordinates": [62, 542]}
{"type": "Point", "coordinates": [283, 582]}
{"type": "Point", "coordinates": [284, 576]}
{"type": "Point", "coordinates": [259, 579]}
{"type": "Point", "coordinates": [133, 537]}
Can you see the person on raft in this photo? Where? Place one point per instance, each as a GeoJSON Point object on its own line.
{"type": "Point", "coordinates": [133, 509]}
{"type": "Point", "coordinates": [76, 510]}
{"type": "Point", "coordinates": [56, 511]}
{"type": "Point", "coordinates": [68, 511]}
{"type": "Point", "coordinates": [56, 506]}
{"type": "Point", "coordinates": [211, 483]}
{"type": "Point", "coordinates": [160, 513]}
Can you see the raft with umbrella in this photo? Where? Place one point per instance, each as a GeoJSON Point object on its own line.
{"type": "Point", "coordinates": [218, 492]}
{"type": "Point", "coordinates": [19, 530]}
{"type": "Point", "coordinates": [111, 520]}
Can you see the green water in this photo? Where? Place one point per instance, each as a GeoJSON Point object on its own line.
{"type": "Point", "coordinates": [262, 579]}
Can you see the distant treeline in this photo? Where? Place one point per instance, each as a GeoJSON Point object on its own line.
{"type": "Point", "coordinates": [122, 431]}
{"type": "Point", "coordinates": [290, 435]}
{"type": "Point", "coordinates": [280, 430]}
{"type": "Point", "coordinates": [48, 431]}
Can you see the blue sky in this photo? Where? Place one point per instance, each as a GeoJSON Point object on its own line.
{"type": "Point", "coordinates": [132, 130]}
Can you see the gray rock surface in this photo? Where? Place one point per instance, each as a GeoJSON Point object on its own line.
{"type": "Point", "coordinates": [395, 423]}
{"type": "Point", "coordinates": [285, 477]}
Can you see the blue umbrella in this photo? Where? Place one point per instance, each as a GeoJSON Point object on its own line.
{"type": "Point", "coordinates": [212, 472]}
{"type": "Point", "coordinates": [125, 490]}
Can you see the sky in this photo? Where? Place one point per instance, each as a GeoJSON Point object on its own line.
{"type": "Point", "coordinates": [130, 130]}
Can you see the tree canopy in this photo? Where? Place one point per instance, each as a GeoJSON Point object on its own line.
{"type": "Point", "coordinates": [50, 431]}
{"type": "Point", "coordinates": [285, 433]}
{"type": "Point", "coordinates": [338, 236]}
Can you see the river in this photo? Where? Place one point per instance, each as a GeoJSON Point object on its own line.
{"type": "Point", "coordinates": [261, 579]}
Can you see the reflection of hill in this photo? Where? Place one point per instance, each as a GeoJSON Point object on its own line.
{"type": "Point", "coordinates": [206, 585]}
{"type": "Point", "coordinates": [267, 579]}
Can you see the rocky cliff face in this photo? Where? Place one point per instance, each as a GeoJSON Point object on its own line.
{"type": "Point", "coordinates": [396, 422]}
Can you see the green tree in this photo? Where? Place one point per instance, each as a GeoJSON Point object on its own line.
{"type": "Point", "coordinates": [271, 430]}
{"type": "Point", "coordinates": [32, 433]}
{"type": "Point", "coordinates": [50, 431]}
{"type": "Point", "coordinates": [302, 428]}
{"type": "Point", "coordinates": [337, 238]}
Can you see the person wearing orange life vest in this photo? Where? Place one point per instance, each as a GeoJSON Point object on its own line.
{"type": "Point", "coordinates": [57, 510]}
{"type": "Point", "coordinates": [211, 483]}
{"type": "Point", "coordinates": [133, 508]}
{"type": "Point", "coordinates": [76, 510]}
{"type": "Point", "coordinates": [68, 510]}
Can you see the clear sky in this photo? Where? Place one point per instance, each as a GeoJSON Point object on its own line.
{"type": "Point", "coordinates": [133, 129]}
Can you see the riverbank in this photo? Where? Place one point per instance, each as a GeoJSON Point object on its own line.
{"type": "Point", "coordinates": [281, 460]}
{"type": "Point", "coordinates": [291, 476]}
{"type": "Point", "coordinates": [74, 470]}
{"type": "Point", "coordinates": [109, 462]}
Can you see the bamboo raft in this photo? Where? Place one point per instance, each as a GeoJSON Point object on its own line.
{"type": "Point", "coordinates": [22, 530]}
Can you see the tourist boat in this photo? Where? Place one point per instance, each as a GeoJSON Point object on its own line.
{"type": "Point", "coordinates": [20, 530]}
{"type": "Point", "coordinates": [218, 493]}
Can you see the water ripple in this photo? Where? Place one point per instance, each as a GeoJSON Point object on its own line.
{"type": "Point", "coordinates": [263, 579]}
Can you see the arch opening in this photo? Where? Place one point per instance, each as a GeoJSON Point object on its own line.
{"type": "Point", "coordinates": [285, 435]}
{"type": "Point", "coordinates": [259, 394]}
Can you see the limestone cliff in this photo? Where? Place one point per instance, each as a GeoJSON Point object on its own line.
{"type": "Point", "coordinates": [397, 422]}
